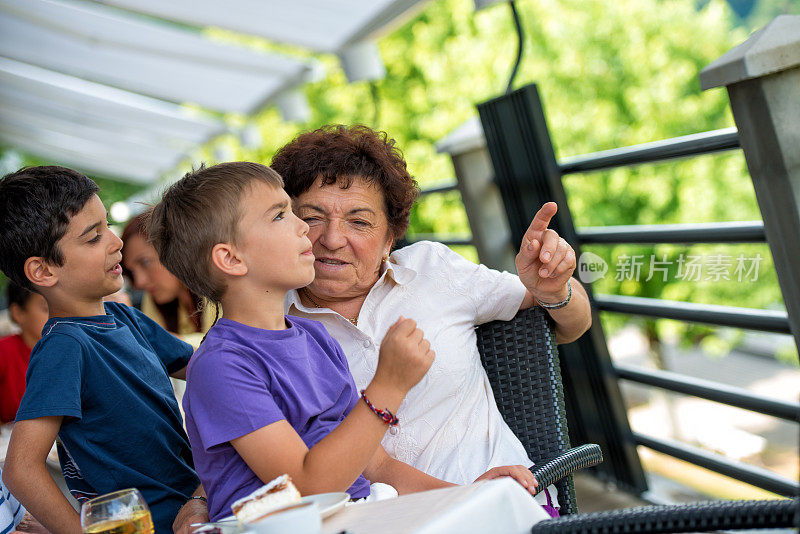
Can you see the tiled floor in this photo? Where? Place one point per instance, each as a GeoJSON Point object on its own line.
{"type": "Point", "coordinates": [596, 496]}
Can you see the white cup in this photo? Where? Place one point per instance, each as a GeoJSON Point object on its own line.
{"type": "Point", "coordinates": [300, 519]}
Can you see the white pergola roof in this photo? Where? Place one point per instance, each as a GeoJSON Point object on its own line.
{"type": "Point", "coordinates": [105, 90]}
{"type": "Point", "coordinates": [320, 25]}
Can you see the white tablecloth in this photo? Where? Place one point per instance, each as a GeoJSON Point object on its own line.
{"type": "Point", "coordinates": [495, 506]}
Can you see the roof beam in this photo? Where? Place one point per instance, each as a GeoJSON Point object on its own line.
{"type": "Point", "coordinates": [159, 60]}
{"type": "Point", "coordinates": [119, 169]}
{"type": "Point", "coordinates": [319, 25]}
{"type": "Point", "coordinates": [120, 139]}
{"type": "Point", "coordinates": [83, 98]}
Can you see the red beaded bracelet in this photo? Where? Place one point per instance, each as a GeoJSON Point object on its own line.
{"type": "Point", "coordinates": [387, 416]}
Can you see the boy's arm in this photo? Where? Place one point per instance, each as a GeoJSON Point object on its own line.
{"type": "Point", "coordinates": [338, 459]}
{"type": "Point", "coordinates": [401, 476]}
{"type": "Point", "coordinates": [194, 511]}
{"type": "Point", "coordinates": [407, 479]}
{"type": "Point", "coordinates": [334, 463]}
{"type": "Point", "coordinates": [25, 473]}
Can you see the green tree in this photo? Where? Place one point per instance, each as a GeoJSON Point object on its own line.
{"type": "Point", "coordinates": [610, 75]}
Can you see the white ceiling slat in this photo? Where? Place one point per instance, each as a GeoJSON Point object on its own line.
{"type": "Point", "coordinates": [49, 110]}
{"type": "Point", "coordinates": [393, 13]}
{"type": "Point", "coordinates": [80, 109]}
{"type": "Point", "coordinates": [119, 139]}
{"type": "Point", "coordinates": [319, 25]}
{"type": "Point", "coordinates": [170, 126]}
{"type": "Point", "coordinates": [102, 89]}
{"type": "Point", "coordinates": [119, 168]}
{"type": "Point", "coordinates": [91, 98]}
{"type": "Point", "coordinates": [87, 21]}
{"type": "Point", "coordinates": [96, 147]}
{"type": "Point", "coordinates": [148, 58]}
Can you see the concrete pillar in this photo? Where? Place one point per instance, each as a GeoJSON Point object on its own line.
{"type": "Point", "coordinates": [491, 235]}
{"type": "Point", "coordinates": [762, 76]}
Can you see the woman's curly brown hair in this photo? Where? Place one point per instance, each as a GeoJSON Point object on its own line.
{"type": "Point", "coordinates": [337, 154]}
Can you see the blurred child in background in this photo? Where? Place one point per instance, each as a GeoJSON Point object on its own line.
{"type": "Point", "coordinates": [28, 310]}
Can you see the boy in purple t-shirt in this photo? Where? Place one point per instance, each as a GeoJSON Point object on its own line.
{"type": "Point", "coordinates": [268, 394]}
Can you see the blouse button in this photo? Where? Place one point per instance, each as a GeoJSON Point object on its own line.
{"type": "Point", "coordinates": [367, 343]}
{"type": "Point", "coordinates": [393, 430]}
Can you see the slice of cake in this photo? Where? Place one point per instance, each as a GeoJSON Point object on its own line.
{"type": "Point", "coordinates": [278, 494]}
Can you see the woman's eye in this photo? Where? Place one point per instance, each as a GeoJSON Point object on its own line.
{"type": "Point", "coordinates": [361, 223]}
{"type": "Point", "coordinates": [95, 239]}
{"type": "Point", "coordinates": [279, 216]}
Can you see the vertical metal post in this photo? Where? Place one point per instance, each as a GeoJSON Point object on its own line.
{"type": "Point", "coordinates": [762, 76]}
{"type": "Point", "coordinates": [527, 175]}
{"type": "Point", "coordinates": [482, 201]}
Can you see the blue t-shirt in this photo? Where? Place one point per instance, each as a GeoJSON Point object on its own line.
{"type": "Point", "coordinates": [108, 377]}
{"type": "Point", "coordinates": [244, 378]}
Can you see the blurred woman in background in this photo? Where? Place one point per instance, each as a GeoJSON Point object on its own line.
{"type": "Point", "coordinates": [167, 301]}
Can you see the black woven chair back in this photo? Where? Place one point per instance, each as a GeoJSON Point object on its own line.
{"type": "Point", "coordinates": [521, 360]}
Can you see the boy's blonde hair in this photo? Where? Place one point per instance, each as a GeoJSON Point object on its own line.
{"type": "Point", "coordinates": [199, 211]}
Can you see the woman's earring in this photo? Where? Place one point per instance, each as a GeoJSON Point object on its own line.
{"type": "Point", "coordinates": [385, 258]}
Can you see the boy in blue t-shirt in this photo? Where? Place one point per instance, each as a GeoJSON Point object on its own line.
{"type": "Point", "coordinates": [99, 377]}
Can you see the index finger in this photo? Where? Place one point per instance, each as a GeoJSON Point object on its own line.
{"type": "Point", "coordinates": [541, 220]}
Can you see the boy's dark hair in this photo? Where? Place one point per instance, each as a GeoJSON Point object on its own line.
{"type": "Point", "coordinates": [199, 211]}
{"type": "Point", "coordinates": [36, 204]}
{"type": "Point", "coordinates": [17, 294]}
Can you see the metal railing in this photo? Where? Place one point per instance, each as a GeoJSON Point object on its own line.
{"type": "Point", "coordinates": [726, 232]}
{"type": "Point", "coordinates": [452, 240]}
{"type": "Point", "coordinates": [677, 147]}
{"type": "Point", "coordinates": [713, 391]}
{"type": "Point", "coordinates": [527, 174]}
{"type": "Point", "coordinates": [443, 187]}
{"type": "Point", "coordinates": [747, 318]}
{"type": "Point", "coordinates": [757, 476]}
{"type": "Point", "coordinates": [751, 319]}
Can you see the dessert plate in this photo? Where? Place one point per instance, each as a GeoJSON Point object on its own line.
{"type": "Point", "coordinates": [328, 503]}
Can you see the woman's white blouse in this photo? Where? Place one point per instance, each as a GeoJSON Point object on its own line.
{"type": "Point", "coordinates": [450, 426]}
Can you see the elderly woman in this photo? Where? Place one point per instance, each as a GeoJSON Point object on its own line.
{"type": "Point", "coordinates": [352, 187]}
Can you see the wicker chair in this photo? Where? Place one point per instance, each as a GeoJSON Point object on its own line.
{"type": "Point", "coordinates": [521, 360]}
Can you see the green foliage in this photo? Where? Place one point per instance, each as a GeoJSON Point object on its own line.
{"type": "Point", "coordinates": [765, 10]}
{"type": "Point", "coordinates": [611, 74]}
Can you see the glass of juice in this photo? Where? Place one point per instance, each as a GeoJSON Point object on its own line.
{"type": "Point", "coordinates": [121, 512]}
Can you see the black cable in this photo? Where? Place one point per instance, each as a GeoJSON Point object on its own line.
{"type": "Point", "coordinates": [520, 41]}
{"type": "Point", "coordinates": [376, 103]}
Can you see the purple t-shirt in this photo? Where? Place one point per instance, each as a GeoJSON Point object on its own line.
{"type": "Point", "coordinates": [244, 378]}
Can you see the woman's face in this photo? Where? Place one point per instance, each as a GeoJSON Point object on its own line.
{"type": "Point", "coordinates": [350, 237]}
{"type": "Point", "coordinates": [140, 260]}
